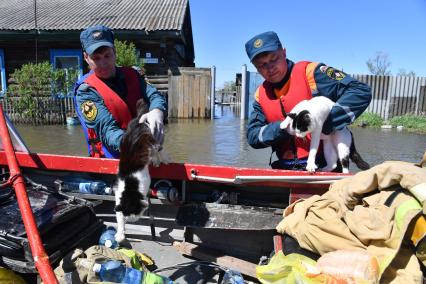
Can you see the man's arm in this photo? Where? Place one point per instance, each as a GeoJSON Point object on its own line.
{"type": "Point", "coordinates": [96, 116]}
{"type": "Point", "coordinates": [260, 134]}
{"type": "Point", "coordinates": [351, 96]}
{"type": "Point", "coordinates": [157, 111]}
{"type": "Point", "coordinates": [153, 97]}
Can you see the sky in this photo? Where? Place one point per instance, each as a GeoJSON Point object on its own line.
{"type": "Point", "coordinates": [341, 34]}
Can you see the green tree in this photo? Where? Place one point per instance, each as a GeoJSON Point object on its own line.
{"type": "Point", "coordinates": [127, 54]}
{"type": "Point", "coordinates": [229, 86]}
{"type": "Point", "coordinates": [379, 64]}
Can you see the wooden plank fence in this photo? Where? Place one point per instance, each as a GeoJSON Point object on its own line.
{"type": "Point", "coordinates": [189, 93]}
{"type": "Point", "coordinates": [396, 95]}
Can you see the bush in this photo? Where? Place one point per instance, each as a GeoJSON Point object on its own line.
{"type": "Point", "coordinates": [126, 54]}
{"type": "Point", "coordinates": [369, 119]}
{"type": "Point", "coordinates": [32, 81]}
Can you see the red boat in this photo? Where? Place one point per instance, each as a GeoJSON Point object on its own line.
{"type": "Point", "coordinates": [218, 206]}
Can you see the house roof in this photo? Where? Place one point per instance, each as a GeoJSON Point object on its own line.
{"type": "Point", "coordinates": [147, 15]}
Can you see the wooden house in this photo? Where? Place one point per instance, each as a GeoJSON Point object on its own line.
{"type": "Point", "coordinates": [48, 30]}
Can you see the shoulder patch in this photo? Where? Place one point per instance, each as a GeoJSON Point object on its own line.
{"type": "Point", "coordinates": [333, 73]}
{"type": "Point", "coordinates": [89, 110]}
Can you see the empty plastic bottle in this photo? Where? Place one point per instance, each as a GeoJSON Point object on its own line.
{"type": "Point", "coordinates": [108, 238]}
{"type": "Point", "coordinates": [115, 271]}
{"type": "Point", "coordinates": [232, 277]}
{"type": "Point", "coordinates": [86, 186]}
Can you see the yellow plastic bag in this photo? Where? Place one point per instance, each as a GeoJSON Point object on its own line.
{"type": "Point", "coordinates": [138, 259]}
{"type": "Point", "coordinates": [7, 276]}
{"type": "Point", "coordinates": [287, 269]}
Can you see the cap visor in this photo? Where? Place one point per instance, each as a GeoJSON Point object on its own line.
{"type": "Point", "coordinates": [95, 46]}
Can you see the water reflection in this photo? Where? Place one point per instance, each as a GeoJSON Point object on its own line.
{"type": "Point", "coordinates": [222, 141]}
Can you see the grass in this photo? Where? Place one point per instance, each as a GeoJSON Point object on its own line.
{"type": "Point", "coordinates": [409, 122]}
{"type": "Point", "coordinates": [369, 119]}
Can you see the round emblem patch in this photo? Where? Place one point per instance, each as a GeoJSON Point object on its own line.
{"type": "Point", "coordinates": [258, 43]}
{"type": "Point", "coordinates": [97, 35]}
{"type": "Point", "coordinates": [89, 110]}
{"type": "Point", "coordinates": [335, 74]}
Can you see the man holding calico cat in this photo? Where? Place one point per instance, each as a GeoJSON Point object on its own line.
{"type": "Point", "coordinates": [286, 84]}
{"type": "Point", "coordinates": [106, 97]}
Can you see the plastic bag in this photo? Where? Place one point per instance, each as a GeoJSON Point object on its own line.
{"type": "Point", "coordinates": [283, 269]}
{"type": "Point", "coordinates": [348, 266]}
{"type": "Point", "coordinates": [138, 260]}
{"type": "Point", "coordinates": [8, 276]}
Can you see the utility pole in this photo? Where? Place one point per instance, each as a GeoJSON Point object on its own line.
{"type": "Point", "coordinates": [36, 31]}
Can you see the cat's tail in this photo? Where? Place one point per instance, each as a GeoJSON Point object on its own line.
{"type": "Point", "coordinates": [356, 157]}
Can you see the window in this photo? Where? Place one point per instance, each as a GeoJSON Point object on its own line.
{"type": "Point", "coordinates": [67, 59]}
{"type": "Point", "coordinates": [2, 74]}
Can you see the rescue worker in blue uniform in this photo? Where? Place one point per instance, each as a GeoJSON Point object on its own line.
{"type": "Point", "coordinates": [106, 97]}
{"type": "Point", "coordinates": [287, 83]}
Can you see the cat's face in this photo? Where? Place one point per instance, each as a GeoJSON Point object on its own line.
{"type": "Point", "coordinates": [302, 123]}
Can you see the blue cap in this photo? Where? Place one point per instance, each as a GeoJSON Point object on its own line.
{"type": "Point", "coordinates": [94, 37]}
{"type": "Point", "coordinates": [267, 41]}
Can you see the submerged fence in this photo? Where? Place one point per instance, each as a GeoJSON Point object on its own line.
{"type": "Point", "coordinates": [189, 96]}
{"type": "Point", "coordinates": [39, 111]}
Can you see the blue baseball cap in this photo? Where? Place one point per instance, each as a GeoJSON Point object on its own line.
{"type": "Point", "coordinates": [96, 36]}
{"type": "Point", "coordinates": [267, 41]}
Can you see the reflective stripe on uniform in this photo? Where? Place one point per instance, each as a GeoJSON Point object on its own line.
{"type": "Point", "coordinates": [347, 110]}
{"type": "Point", "coordinates": [261, 133]}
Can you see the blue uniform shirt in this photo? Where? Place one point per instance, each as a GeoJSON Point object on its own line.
{"type": "Point", "coordinates": [105, 126]}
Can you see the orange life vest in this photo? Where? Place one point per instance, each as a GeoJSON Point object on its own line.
{"type": "Point", "coordinates": [275, 109]}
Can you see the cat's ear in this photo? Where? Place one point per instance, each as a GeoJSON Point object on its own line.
{"type": "Point", "coordinates": [306, 116]}
{"type": "Point", "coordinates": [292, 115]}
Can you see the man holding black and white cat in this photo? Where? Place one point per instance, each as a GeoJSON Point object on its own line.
{"type": "Point", "coordinates": [288, 83]}
{"type": "Point", "coordinates": [106, 97]}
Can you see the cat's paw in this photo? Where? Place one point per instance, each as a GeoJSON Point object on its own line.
{"type": "Point", "coordinates": [311, 167]}
{"type": "Point", "coordinates": [119, 236]}
{"type": "Point", "coordinates": [159, 157]}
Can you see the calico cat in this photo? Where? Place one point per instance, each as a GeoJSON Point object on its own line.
{"type": "Point", "coordinates": [308, 116]}
{"type": "Point", "coordinates": [138, 149]}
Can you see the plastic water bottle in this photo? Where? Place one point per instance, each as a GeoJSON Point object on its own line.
{"type": "Point", "coordinates": [115, 271]}
{"type": "Point", "coordinates": [86, 186]}
{"type": "Point", "coordinates": [108, 238]}
{"type": "Point", "coordinates": [232, 277]}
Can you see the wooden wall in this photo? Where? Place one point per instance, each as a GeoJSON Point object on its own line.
{"type": "Point", "coordinates": [189, 93]}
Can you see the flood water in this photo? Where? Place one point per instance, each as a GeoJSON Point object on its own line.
{"type": "Point", "coordinates": [222, 141]}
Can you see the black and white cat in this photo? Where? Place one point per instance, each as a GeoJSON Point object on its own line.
{"type": "Point", "coordinates": [308, 116]}
{"type": "Point", "coordinates": [138, 149]}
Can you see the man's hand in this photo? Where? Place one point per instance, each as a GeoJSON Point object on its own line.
{"type": "Point", "coordinates": [286, 124]}
{"type": "Point", "coordinates": [154, 119]}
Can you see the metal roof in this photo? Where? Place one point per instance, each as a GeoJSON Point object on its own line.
{"type": "Point", "coordinates": [148, 15]}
